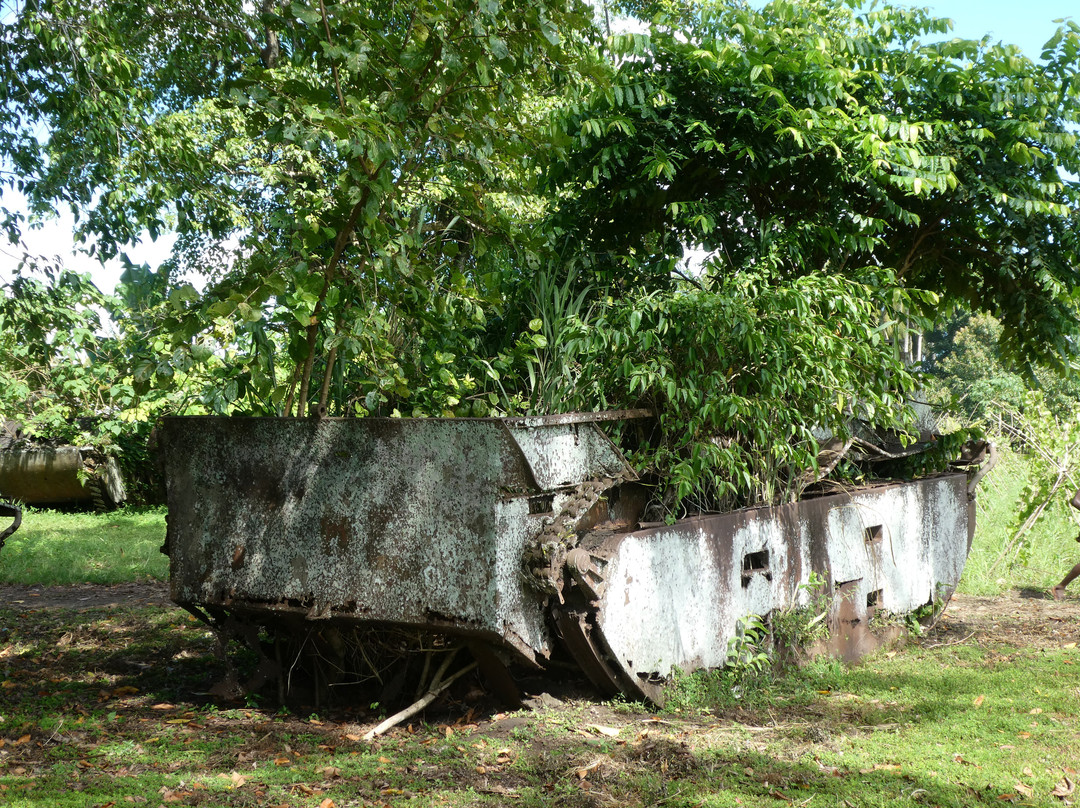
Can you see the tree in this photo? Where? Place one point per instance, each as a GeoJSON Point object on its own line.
{"type": "Point", "coordinates": [392, 222]}
{"type": "Point", "coordinates": [808, 137]}
{"type": "Point", "coordinates": [808, 147]}
{"type": "Point", "coordinates": [49, 341]}
{"type": "Point", "coordinates": [344, 173]}
{"type": "Point", "coordinates": [964, 370]}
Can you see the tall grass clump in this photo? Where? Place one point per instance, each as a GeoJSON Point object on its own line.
{"type": "Point", "coordinates": [1002, 557]}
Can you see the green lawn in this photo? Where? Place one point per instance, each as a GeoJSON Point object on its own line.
{"type": "Point", "coordinates": [1040, 558]}
{"type": "Point", "coordinates": [69, 548]}
{"type": "Point", "coordinates": [109, 707]}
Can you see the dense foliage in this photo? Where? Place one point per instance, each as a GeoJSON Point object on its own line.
{"type": "Point", "coordinates": [744, 376]}
{"type": "Point", "coordinates": [347, 176]}
{"type": "Point", "coordinates": [55, 365]}
{"type": "Point", "coordinates": [464, 207]}
{"type": "Point", "coordinates": [966, 371]}
{"type": "Point", "coordinates": [811, 138]}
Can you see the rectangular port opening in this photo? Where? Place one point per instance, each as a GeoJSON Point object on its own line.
{"type": "Point", "coordinates": [874, 534]}
{"type": "Point", "coordinates": [755, 564]}
{"type": "Point", "coordinates": [541, 504]}
{"type": "Point", "coordinates": [873, 599]}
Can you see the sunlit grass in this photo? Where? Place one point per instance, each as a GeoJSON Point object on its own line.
{"type": "Point", "coordinates": [100, 707]}
{"type": "Point", "coordinates": [1039, 559]}
{"type": "Point", "coordinates": [70, 548]}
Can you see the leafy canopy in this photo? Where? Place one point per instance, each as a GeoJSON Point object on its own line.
{"type": "Point", "coordinates": [459, 206]}
{"type": "Point", "coordinates": [810, 137]}
{"type": "Point", "coordinates": [348, 176]}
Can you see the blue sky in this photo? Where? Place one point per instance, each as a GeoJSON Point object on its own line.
{"type": "Point", "coordinates": [1027, 23]}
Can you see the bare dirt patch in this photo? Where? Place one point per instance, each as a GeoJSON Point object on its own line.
{"type": "Point", "coordinates": [1024, 618]}
{"type": "Point", "coordinates": [85, 596]}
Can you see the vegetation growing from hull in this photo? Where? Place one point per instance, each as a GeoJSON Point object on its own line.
{"type": "Point", "coordinates": [741, 375]}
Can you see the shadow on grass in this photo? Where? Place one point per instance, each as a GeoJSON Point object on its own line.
{"type": "Point", "coordinates": [119, 697]}
{"type": "Point", "coordinates": [1032, 593]}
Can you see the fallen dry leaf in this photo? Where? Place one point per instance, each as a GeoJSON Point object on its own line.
{"type": "Point", "coordinates": [327, 803]}
{"type": "Point", "coordinates": [1036, 711]}
{"type": "Point", "coordinates": [234, 778]}
{"type": "Point", "coordinates": [1026, 790]}
{"type": "Point", "coordinates": [978, 701]}
{"type": "Point", "coordinates": [610, 732]}
{"type": "Point", "coordinates": [585, 771]}
{"type": "Point", "coordinates": [1064, 788]}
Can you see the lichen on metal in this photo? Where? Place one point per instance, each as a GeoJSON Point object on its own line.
{"type": "Point", "coordinates": [525, 535]}
{"type": "Point", "coordinates": [420, 522]}
{"type": "Point", "coordinates": [674, 594]}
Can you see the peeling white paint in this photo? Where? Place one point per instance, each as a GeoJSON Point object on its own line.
{"type": "Point", "coordinates": [675, 595]}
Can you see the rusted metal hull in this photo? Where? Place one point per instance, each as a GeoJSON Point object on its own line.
{"type": "Point", "coordinates": [412, 522]}
{"type": "Point", "coordinates": [521, 533]}
{"type": "Point", "coordinates": [62, 475]}
{"type": "Point", "coordinates": [672, 596]}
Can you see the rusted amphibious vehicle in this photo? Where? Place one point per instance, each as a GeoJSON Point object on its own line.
{"type": "Point", "coordinates": [35, 472]}
{"type": "Point", "coordinates": [523, 539]}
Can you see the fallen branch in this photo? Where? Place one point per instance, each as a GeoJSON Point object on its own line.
{"type": "Point", "coordinates": [954, 642]}
{"type": "Point", "coordinates": [436, 688]}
